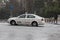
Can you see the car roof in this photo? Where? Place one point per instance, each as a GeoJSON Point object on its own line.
{"type": "Point", "coordinates": [29, 14]}
{"type": "Point", "coordinates": [32, 14]}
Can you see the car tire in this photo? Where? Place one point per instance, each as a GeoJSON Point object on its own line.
{"type": "Point", "coordinates": [12, 22]}
{"type": "Point", "coordinates": [34, 23]}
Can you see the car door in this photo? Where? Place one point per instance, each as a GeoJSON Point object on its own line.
{"type": "Point", "coordinates": [29, 19]}
{"type": "Point", "coordinates": [21, 19]}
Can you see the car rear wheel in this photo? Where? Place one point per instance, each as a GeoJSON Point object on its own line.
{"type": "Point", "coordinates": [34, 23]}
{"type": "Point", "coordinates": [13, 22]}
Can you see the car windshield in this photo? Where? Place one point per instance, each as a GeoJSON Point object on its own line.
{"type": "Point", "coordinates": [23, 15]}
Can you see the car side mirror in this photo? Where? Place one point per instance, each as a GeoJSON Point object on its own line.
{"type": "Point", "coordinates": [18, 16]}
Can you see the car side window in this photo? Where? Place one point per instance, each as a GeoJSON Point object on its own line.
{"type": "Point", "coordinates": [22, 16]}
{"type": "Point", "coordinates": [30, 16]}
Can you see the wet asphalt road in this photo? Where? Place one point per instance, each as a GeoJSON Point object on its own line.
{"type": "Point", "coordinates": [18, 32]}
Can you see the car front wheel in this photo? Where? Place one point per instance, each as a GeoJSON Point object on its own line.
{"type": "Point", "coordinates": [34, 23]}
{"type": "Point", "coordinates": [12, 22]}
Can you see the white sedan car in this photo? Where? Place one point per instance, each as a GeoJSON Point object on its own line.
{"type": "Point", "coordinates": [30, 19]}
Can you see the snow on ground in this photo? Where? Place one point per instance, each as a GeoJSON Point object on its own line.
{"type": "Point", "coordinates": [47, 32]}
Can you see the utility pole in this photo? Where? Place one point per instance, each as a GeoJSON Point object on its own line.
{"type": "Point", "coordinates": [11, 10]}
{"type": "Point", "coordinates": [25, 6]}
{"type": "Point", "coordinates": [34, 7]}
